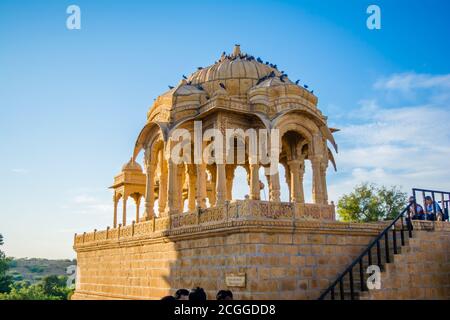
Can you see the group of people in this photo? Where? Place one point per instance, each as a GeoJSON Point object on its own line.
{"type": "Point", "coordinates": [198, 294]}
{"type": "Point", "coordinates": [432, 210]}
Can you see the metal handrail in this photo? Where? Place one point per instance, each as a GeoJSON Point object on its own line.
{"type": "Point", "coordinates": [368, 251]}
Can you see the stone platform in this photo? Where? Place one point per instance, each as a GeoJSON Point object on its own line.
{"type": "Point", "coordinates": [257, 249]}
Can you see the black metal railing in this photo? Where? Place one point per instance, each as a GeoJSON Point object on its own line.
{"type": "Point", "coordinates": [441, 198]}
{"type": "Point", "coordinates": [346, 280]}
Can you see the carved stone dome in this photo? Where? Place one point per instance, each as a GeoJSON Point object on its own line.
{"type": "Point", "coordinates": [132, 166]}
{"type": "Point", "coordinates": [237, 72]}
{"type": "Point", "coordinates": [234, 66]}
{"type": "Point", "coordinates": [237, 81]}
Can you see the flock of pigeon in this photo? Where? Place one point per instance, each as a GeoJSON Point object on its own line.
{"type": "Point", "coordinates": [248, 58]}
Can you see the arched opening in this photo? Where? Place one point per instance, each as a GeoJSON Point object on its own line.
{"type": "Point", "coordinates": [155, 208]}
{"type": "Point", "coordinates": [160, 181]}
{"type": "Point", "coordinates": [294, 152]}
{"type": "Point", "coordinates": [135, 205]}
{"type": "Point", "coordinates": [284, 188]}
{"type": "Point", "coordinates": [307, 182]}
{"type": "Point", "coordinates": [240, 183]}
{"type": "Point", "coordinates": [264, 184]}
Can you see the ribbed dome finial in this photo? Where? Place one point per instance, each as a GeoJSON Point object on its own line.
{"type": "Point", "coordinates": [237, 50]}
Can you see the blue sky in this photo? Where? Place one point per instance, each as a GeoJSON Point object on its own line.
{"type": "Point", "coordinates": [72, 102]}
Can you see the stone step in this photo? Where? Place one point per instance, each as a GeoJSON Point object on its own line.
{"type": "Point", "coordinates": [357, 295]}
{"type": "Point", "coordinates": [356, 274]}
{"type": "Point", "coordinates": [400, 250]}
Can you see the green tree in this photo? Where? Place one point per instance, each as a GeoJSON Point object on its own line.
{"type": "Point", "coordinates": [5, 279]}
{"type": "Point", "coordinates": [35, 269]}
{"type": "Point", "coordinates": [394, 201]}
{"type": "Point", "coordinates": [368, 203]}
{"type": "Point", "coordinates": [56, 286]}
{"type": "Point", "coordinates": [50, 288]}
{"type": "Point", "coordinates": [22, 290]}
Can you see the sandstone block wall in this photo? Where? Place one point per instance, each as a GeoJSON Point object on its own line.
{"type": "Point", "coordinates": [292, 261]}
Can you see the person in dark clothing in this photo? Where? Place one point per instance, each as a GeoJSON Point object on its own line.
{"type": "Point", "coordinates": [432, 209]}
{"type": "Point", "coordinates": [224, 295]}
{"type": "Point", "coordinates": [415, 210]}
{"type": "Point", "coordinates": [182, 294]}
{"type": "Point", "coordinates": [197, 294]}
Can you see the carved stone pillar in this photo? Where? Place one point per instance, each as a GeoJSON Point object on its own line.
{"type": "Point", "coordinates": [137, 200]}
{"type": "Point", "coordinates": [296, 168]}
{"type": "Point", "coordinates": [124, 210]}
{"type": "Point", "coordinates": [162, 196]}
{"type": "Point", "coordinates": [116, 202]}
{"type": "Point", "coordinates": [180, 184]}
{"type": "Point", "coordinates": [247, 175]}
{"type": "Point", "coordinates": [323, 176]}
{"type": "Point", "coordinates": [212, 195]}
{"type": "Point", "coordinates": [255, 187]}
{"type": "Point", "coordinates": [201, 185]}
{"type": "Point", "coordinates": [172, 188]}
{"type": "Point", "coordinates": [287, 176]}
{"type": "Point", "coordinates": [221, 185]}
{"type": "Point", "coordinates": [317, 188]}
{"type": "Point", "coordinates": [301, 174]}
{"type": "Point", "coordinates": [274, 187]}
{"type": "Point", "coordinates": [191, 186]}
{"type": "Point", "coordinates": [149, 192]}
{"type": "Point", "coordinates": [230, 177]}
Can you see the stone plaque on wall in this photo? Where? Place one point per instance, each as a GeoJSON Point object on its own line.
{"type": "Point", "coordinates": [235, 280]}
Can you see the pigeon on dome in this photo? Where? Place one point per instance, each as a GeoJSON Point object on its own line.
{"type": "Point", "coordinates": [221, 91]}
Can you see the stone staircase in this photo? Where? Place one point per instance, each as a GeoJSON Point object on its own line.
{"type": "Point", "coordinates": [419, 270]}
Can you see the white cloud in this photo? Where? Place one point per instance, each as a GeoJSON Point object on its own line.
{"type": "Point", "coordinates": [92, 202]}
{"type": "Point", "coordinates": [19, 171]}
{"type": "Point", "coordinates": [83, 199]}
{"type": "Point", "coordinates": [422, 125]}
{"type": "Point", "coordinates": [403, 145]}
{"type": "Point", "coordinates": [409, 81]}
{"type": "Point", "coordinates": [68, 230]}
